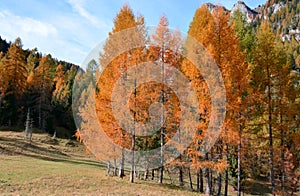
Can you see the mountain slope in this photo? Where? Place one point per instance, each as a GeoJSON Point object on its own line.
{"type": "Point", "coordinates": [245, 10]}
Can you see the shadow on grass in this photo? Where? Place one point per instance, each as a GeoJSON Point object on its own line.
{"type": "Point", "coordinates": [31, 147]}
{"type": "Point", "coordinates": [34, 151]}
{"type": "Point", "coordinates": [254, 187]}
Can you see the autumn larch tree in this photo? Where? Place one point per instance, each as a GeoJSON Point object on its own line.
{"type": "Point", "coordinates": [164, 49]}
{"type": "Point", "coordinates": [269, 60]}
{"type": "Point", "coordinates": [13, 76]}
{"type": "Point", "coordinates": [115, 68]}
{"type": "Point", "coordinates": [224, 48]}
{"type": "Point", "coordinates": [200, 29]}
{"type": "Point", "coordinates": [42, 84]}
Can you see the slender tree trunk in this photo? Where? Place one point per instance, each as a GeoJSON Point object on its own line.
{"type": "Point", "coordinates": [282, 179]}
{"type": "Point", "coordinates": [180, 176]}
{"type": "Point", "coordinates": [198, 180]}
{"type": "Point", "coordinates": [272, 179]}
{"type": "Point", "coordinates": [190, 178]}
{"type": "Point", "coordinates": [219, 184]}
{"type": "Point", "coordinates": [27, 125]}
{"type": "Point", "coordinates": [121, 166]}
{"type": "Point", "coordinates": [283, 171]}
{"type": "Point", "coordinates": [180, 173]}
{"type": "Point", "coordinates": [220, 174]}
{"type": "Point", "coordinates": [226, 173]}
{"type": "Point", "coordinates": [152, 174]}
{"type": "Point", "coordinates": [30, 130]}
{"type": "Point", "coordinates": [161, 174]}
{"type": "Point", "coordinates": [108, 167]}
{"type": "Point", "coordinates": [270, 116]}
{"type": "Point", "coordinates": [122, 162]}
{"type": "Point", "coordinates": [115, 167]}
{"type": "Point", "coordinates": [132, 169]}
{"type": "Point", "coordinates": [132, 173]}
{"type": "Point", "coordinates": [201, 181]}
{"type": "Point", "coordinates": [211, 181]}
{"type": "Point", "coordinates": [139, 175]}
{"type": "Point", "coordinates": [207, 175]}
{"type": "Point", "coordinates": [208, 188]}
{"type": "Point", "coordinates": [180, 168]}
{"type": "Point", "coordinates": [162, 135]}
{"type": "Point", "coordinates": [239, 165]}
{"type": "Point", "coordinates": [146, 173]}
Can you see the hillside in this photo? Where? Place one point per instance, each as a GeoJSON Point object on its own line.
{"type": "Point", "coordinates": [60, 167]}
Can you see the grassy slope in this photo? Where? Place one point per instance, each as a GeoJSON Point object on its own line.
{"type": "Point", "coordinates": [50, 168]}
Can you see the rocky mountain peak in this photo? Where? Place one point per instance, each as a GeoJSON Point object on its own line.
{"type": "Point", "coordinates": [245, 10]}
{"type": "Point", "coordinates": [211, 7]}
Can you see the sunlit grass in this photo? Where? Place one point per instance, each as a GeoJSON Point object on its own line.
{"type": "Point", "coordinates": [31, 170]}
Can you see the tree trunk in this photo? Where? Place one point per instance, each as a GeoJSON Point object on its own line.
{"type": "Point", "coordinates": [146, 173]}
{"type": "Point", "coordinates": [283, 172]}
{"type": "Point", "coordinates": [115, 167]}
{"type": "Point", "coordinates": [239, 166]}
{"type": "Point", "coordinates": [219, 184]}
{"type": "Point", "coordinates": [220, 174]}
{"type": "Point", "coordinates": [201, 181]}
{"type": "Point", "coordinates": [161, 171]}
{"type": "Point", "coordinates": [190, 178]}
{"type": "Point", "coordinates": [152, 174]}
{"type": "Point", "coordinates": [198, 180]}
{"type": "Point", "coordinates": [108, 167]}
{"type": "Point", "coordinates": [207, 175]}
{"type": "Point", "coordinates": [272, 179]}
{"type": "Point", "coordinates": [180, 173]}
{"type": "Point", "coordinates": [282, 179]}
{"type": "Point", "coordinates": [30, 130]}
{"type": "Point", "coordinates": [270, 123]}
{"type": "Point", "coordinates": [131, 175]}
{"type": "Point", "coordinates": [180, 176]}
{"type": "Point", "coordinates": [162, 134]}
{"type": "Point", "coordinates": [211, 181]}
{"type": "Point", "coordinates": [132, 171]}
{"type": "Point", "coordinates": [208, 188]}
{"type": "Point", "coordinates": [121, 166]}
{"type": "Point", "coordinates": [27, 125]}
{"type": "Point", "coordinates": [161, 174]}
{"type": "Point", "coordinates": [226, 173]}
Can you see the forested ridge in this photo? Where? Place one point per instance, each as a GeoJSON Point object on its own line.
{"type": "Point", "coordinates": [259, 63]}
{"type": "Point", "coordinates": [37, 85]}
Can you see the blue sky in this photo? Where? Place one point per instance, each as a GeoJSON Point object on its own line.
{"type": "Point", "coordinates": [70, 29]}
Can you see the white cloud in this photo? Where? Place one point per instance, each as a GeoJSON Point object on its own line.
{"type": "Point", "coordinates": [45, 36]}
{"type": "Point", "coordinates": [78, 6]}
{"type": "Point", "coordinates": [13, 25]}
